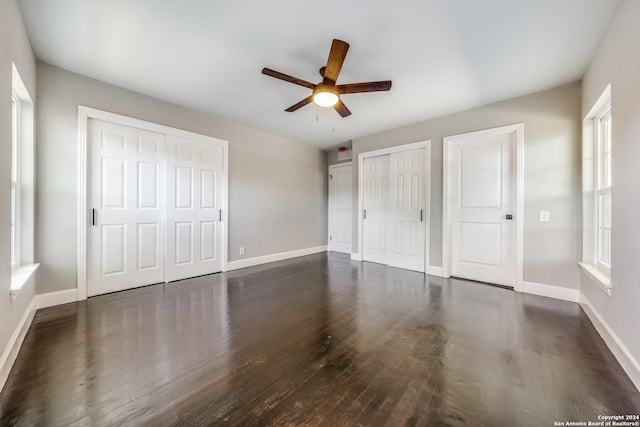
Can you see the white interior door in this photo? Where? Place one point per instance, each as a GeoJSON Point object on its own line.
{"type": "Point", "coordinates": [483, 202]}
{"type": "Point", "coordinates": [194, 208]}
{"type": "Point", "coordinates": [340, 208]}
{"type": "Point", "coordinates": [407, 210]}
{"type": "Point", "coordinates": [126, 247]}
{"type": "Point", "coordinates": [395, 209]}
{"type": "Point", "coordinates": [376, 209]}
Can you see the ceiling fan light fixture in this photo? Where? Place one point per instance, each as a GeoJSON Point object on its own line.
{"type": "Point", "coordinates": [325, 95]}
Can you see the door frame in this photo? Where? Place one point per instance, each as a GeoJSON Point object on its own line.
{"type": "Point", "coordinates": [86, 113]}
{"type": "Point", "coordinates": [426, 145]}
{"type": "Point", "coordinates": [332, 168]}
{"type": "Point", "coordinates": [447, 225]}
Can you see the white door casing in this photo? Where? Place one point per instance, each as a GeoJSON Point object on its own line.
{"type": "Point", "coordinates": [394, 195]}
{"type": "Point", "coordinates": [194, 208]}
{"type": "Point", "coordinates": [340, 208]}
{"type": "Point", "coordinates": [127, 202]}
{"type": "Point", "coordinates": [482, 190]}
{"type": "Point", "coordinates": [115, 167]}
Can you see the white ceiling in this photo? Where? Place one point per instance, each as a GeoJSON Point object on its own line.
{"type": "Point", "coordinates": [442, 55]}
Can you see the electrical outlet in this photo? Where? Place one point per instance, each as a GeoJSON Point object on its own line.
{"type": "Point", "coordinates": [241, 250]}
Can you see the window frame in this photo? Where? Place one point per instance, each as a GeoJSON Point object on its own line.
{"type": "Point", "coordinates": [22, 196]}
{"type": "Point", "coordinates": [603, 124]}
{"type": "Point", "coordinates": [597, 184]}
{"type": "Point", "coordinates": [15, 180]}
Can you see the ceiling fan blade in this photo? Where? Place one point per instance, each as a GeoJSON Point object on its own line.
{"type": "Point", "coordinates": [300, 104]}
{"type": "Point", "coordinates": [337, 54]}
{"type": "Point", "coordinates": [287, 78]}
{"type": "Point", "coordinates": [342, 109]}
{"type": "Point", "coordinates": [365, 87]}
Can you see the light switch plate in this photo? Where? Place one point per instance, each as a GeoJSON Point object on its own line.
{"type": "Point", "coordinates": [544, 216]}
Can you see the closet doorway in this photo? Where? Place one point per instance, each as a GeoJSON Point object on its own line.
{"type": "Point", "coordinates": [394, 206]}
{"type": "Point", "coordinates": [151, 206]}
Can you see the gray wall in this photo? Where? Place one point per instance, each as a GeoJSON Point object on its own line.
{"type": "Point", "coordinates": [617, 62]}
{"type": "Point", "coordinates": [277, 187]}
{"type": "Point", "coordinates": [551, 175]}
{"type": "Point", "coordinates": [14, 47]}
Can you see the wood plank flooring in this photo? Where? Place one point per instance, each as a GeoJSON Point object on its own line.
{"type": "Point", "coordinates": [317, 340]}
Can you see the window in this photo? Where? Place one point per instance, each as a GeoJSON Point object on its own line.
{"type": "Point", "coordinates": [15, 251]}
{"type": "Point", "coordinates": [603, 126]}
{"type": "Point", "coordinates": [597, 190]}
{"type": "Point", "coordinates": [22, 185]}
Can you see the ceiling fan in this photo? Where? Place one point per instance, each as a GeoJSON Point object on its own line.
{"type": "Point", "coordinates": [327, 93]}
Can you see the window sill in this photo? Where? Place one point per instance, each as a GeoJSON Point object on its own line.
{"type": "Point", "coordinates": [19, 277]}
{"type": "Point", "coordinates": [601, 279]}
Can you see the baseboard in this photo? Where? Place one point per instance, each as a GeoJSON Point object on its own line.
{"type": "Point", "coordinates": [630, 364]}
{"type": "Point", "coordinates": [13, 347]}
{"type": "Point", "coordinates": [56, 298]}
{"type": "Point", "coordinates": [435, 271]}
{"type": "Point", "coordinates": [550, 291]}
{"type": "Point", "coordinates": [250, 262]}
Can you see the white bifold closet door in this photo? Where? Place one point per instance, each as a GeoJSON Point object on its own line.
{"type": "Point", "coordinates": [126, 234]}
{"type": "Point", "coordinates": [194, 214]}
{"type": "Point", "coordinates": [154, 204]}
{"type": "Point", "coordinates": [394, 203]}
{"type": "Point", "coordinates": [376, 209]}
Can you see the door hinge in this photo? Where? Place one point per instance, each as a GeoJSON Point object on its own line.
{"type": "Point", "coordinates": [93, 217]}
{"type": "Point", "coordinates": [330, 237]}
{"type": "Point", "coordinates": [364, 214]}
{"type": "Point", "coordinates": [220, 215]}
{"type": "Point", "coordinates": [330, 176]}
{"type": "Point", "coordinates": [421, 215]}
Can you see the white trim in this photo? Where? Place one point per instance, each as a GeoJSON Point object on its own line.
{"type": "Point", "coordinates": [19, 277]}
{"type": "Point", "coordinates": [629, 363]}
{"type": "Point", "coordinates": [17, 338]}
{"type": "Point", "coordinates": [23, 182]}
{"type": "Point", "coordinates": [427, 206]}
{"type": "Point", "coordinates": [590, 264]}
{"type": "Point", "coordinates": [81, 280]}
{"type": "Point", "coordinates": [13, 347]}
{"type": "Point", "coordinates": [332, 169]}
{"type": "Point", "coordinates": [518, 129]}
{"type": "Point", "coordinates": [600, 104]}
{"type": "Point", "coordinates": [550, 291]}
{"type": "Point", "coordinates": [250, 262]}
{"type": "Point", "coordinates": [435, 271]}
{"type": "Point", "coordinates": [86, 113]}
{"type": "Point", "coordinates": [51, 299]}
{"type": "Point", "coordinates": [601, 279]}
{"type": "Point", "coordinates": [358, 256]}
{"type": "Point", "coordinates": [225, 206]}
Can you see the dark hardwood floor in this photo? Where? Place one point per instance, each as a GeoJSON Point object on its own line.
{"type": "Point", "coordinates": [317, 340]}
